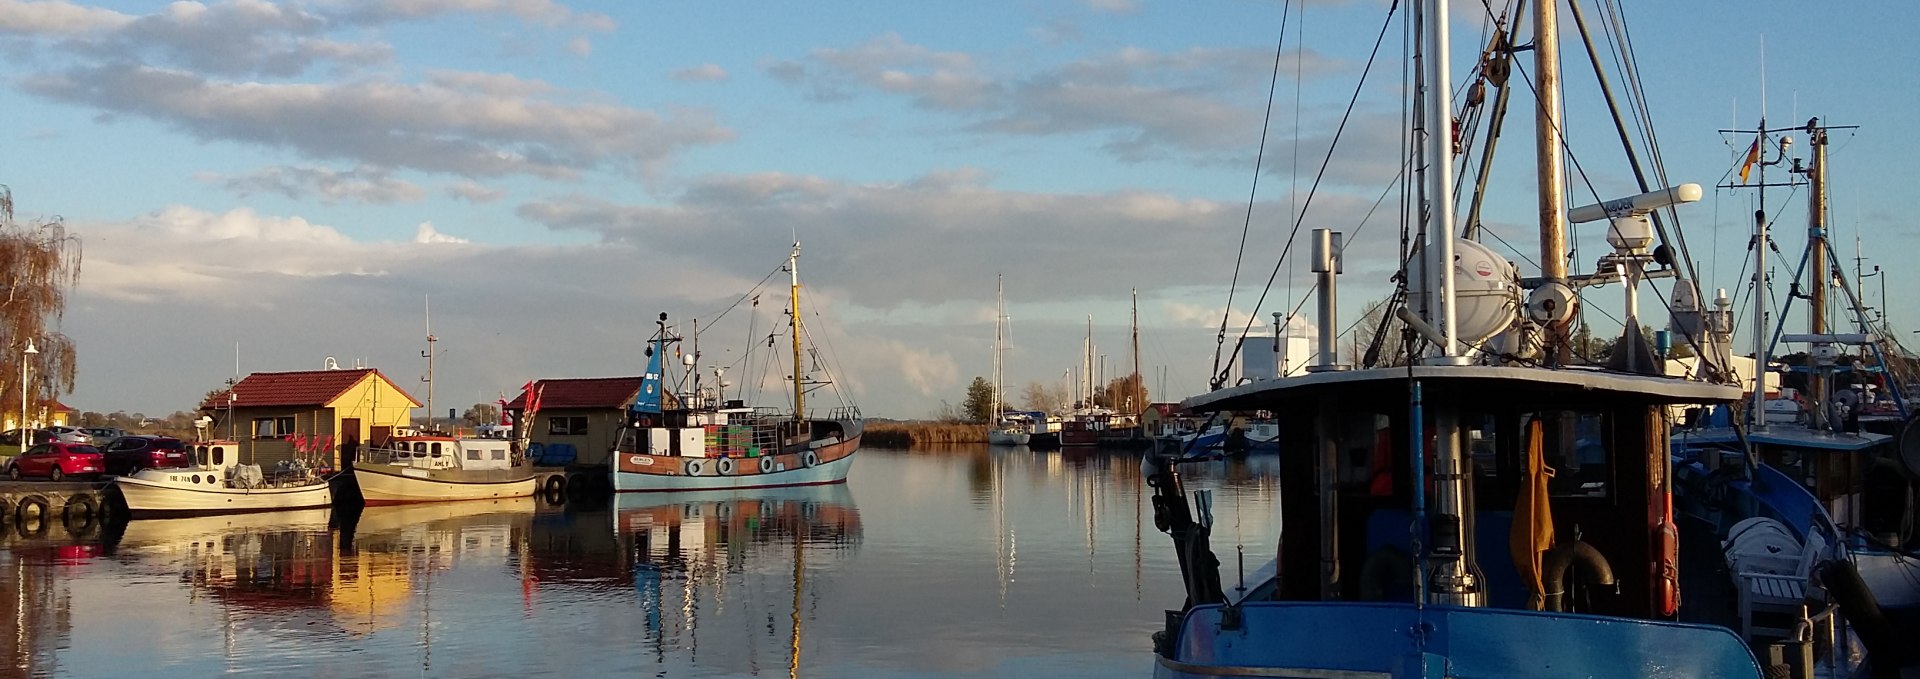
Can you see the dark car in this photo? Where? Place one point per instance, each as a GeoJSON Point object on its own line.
{"type": "Point", "coordinates": [129, 454]}
{"type": "Point", "coordinates": [57, 461]}
{"type": "Point", "coordinates": [11, 437]}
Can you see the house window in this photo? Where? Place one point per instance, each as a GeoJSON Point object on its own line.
{"type": "Point", "coordinates": [567, 426]}
{"type": "Point", "coordinates": [272, 427]}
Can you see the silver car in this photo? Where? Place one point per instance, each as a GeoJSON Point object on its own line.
{"type": "Point", "coordinates": [65, 434]}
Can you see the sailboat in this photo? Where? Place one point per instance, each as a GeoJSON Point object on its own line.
{"type": "Point", "coordinates": [1425, 530]}
{"type": "Point", "coordinates": [1004, 431]}
{"type": "Point", "coordinates": [692, 441]}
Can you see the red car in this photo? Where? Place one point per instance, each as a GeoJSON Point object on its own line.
{"type": "Point", "coordinates": [58, 461]}
{"type": "Point", "coordinates": [129, 454]}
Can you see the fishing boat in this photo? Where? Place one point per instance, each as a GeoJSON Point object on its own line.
{"type": "Point", "coordinates": [216, 483]}
{"type": "Point", "coordinates": [1005, 430]}
{"type": "Point", "coordinates": [1800, 464]}
{"type": "Point", "coordinates": [1489, 508]}
{"type": "Point", "coordinates": [688, 440]}
{"type": "Point", "coordinates": [422, 467]}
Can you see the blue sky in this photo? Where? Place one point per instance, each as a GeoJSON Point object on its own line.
{"type": "Point", "coordinates": [297, 178]}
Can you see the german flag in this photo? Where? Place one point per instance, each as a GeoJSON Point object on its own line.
{"type": "Point", "coordinates": [1753, 157]}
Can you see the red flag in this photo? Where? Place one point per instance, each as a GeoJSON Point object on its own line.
{"type": "Point", "coordinates": [298, 440]}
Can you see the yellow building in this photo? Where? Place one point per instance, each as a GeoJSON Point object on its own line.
{"type": "Point", "coordinates": [316, 415]}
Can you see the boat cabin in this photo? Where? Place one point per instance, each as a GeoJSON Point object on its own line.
{"type": "Point", "coordinates": [443, 452]}
{"type": "Point", "coordinates": [1571, 461]}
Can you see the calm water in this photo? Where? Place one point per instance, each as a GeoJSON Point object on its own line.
{"type": "Point", "coordinates": [959, 563]}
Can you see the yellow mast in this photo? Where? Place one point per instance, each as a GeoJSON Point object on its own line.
{"type": "Point", "coordinates": [799, 389]}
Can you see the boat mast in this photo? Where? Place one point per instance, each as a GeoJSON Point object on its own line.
{"type": "Point", "coordinates": [1134, 386]}
{"type": "Point", "coordinates": [1552, 179]}
{"type": "Point", "coordinates": [999, 317]}
{"type": "Point", "coordinates": [428, 354]}
{"type": "Point", "coordinates": [1817, 382]}
{"type": "Point", "coordinates": [1439, 129]}
{"type": "Point", "coordinates": [799, 388]}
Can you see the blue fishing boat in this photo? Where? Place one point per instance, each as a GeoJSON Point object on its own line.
{"type": "Point", "coordinates": [1487, 507]}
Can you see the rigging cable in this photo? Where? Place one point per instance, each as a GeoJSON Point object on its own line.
{"type": "Point", "coordinates": [1259, 161]}
{"type": "Point", "coordinates": [1312, 190]}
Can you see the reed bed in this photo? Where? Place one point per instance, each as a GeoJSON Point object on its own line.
{"type": "Point", "coordinates": [909, 434]}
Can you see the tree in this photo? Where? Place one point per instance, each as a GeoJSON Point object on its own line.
{"type": "Point", "coordinates": [1044, 398]}
{"type": "Point", "coordinates": [979, 404]}
{"type": "Point", "coordinates": [1125, 394]}
{"type": "Point", "coordinates": [39, 261]}
{"type": "Point", "coordinates": [482, 413]}
{"type": "Point", "coordinates": [1377, 319]}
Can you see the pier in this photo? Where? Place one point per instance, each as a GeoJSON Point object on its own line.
{"type": "Point", "coordinates": [31, 507]}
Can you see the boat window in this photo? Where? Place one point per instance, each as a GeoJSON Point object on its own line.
{"type": "Point", "coordinates": [200, 455]}
{"type": "Point", "coordinates": [499, 453]}
{"type": "Point", "coordinates": [474, 454]}
{"type": "Point", "coordinates": [420, 448]}
{"type": "Point", "coordinates": [219, 455]}
{"type": "Point", "coordinates": [1575, 446]}
{"type": "Point", "coordinates": [436, 449]}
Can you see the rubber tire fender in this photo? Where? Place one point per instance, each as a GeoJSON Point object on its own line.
{"type": "Point", "coordinates": [44, 517]}
{"type": "Point", "coordinates": [81, 521]}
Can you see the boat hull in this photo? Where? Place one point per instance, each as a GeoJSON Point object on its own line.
{"type": "Point", "coordinates": [148, 497]}
{"type": "Point", "coordinates": [1005, 438]}
{"type": "Point", "coordinates": [1894, 580]}
{"type": "Point", "coordinates": [392, 485]}
{"type": "Point", "coordinates": [662, 473]}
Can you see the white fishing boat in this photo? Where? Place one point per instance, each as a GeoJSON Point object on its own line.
{"type": "Point", "coordinates": [438, 468]}
{"type": "Point", "coordinates": [216, 483]}
{"type": "Point", "coordinates": [1005, 430]}
{"type": "Point", "coordinates": [690, 440]}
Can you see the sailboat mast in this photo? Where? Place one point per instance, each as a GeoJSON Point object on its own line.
{"type": "Point", "coordinates": [428, 354]}
{"type": "Point", "coordinates": [1134, 387]}
{"type": "Point", "coordinates": [799, 389]}
{"type": "Point", "coordinates": [999, 319]}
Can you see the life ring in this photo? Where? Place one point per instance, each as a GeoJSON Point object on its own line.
{"type": "Point", "coordinates": [77, 514]}
{"type": "Point", "coordinates": [724, 466]}
{"type": "Point", "coordinates": [809, 459]}
{"type": "Point", "coordinates": [766, 465]}
{"type": "Point", "coordinates": [37, 518]}
{"type": "Point", "coordinates": [556, 484]}
{"type": "Point", "coordinates": [694, 468]}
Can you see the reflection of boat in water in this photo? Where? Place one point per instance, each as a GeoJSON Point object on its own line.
{"type": "Point", "coordinates": [695, 548]}
{"type": "Point", "coordinates": [374, 521]}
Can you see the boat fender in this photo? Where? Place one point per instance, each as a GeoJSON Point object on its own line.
{"type": "Point", "coordinates": [1560, 562]}
{"type": "Point", "coordinates": [6, 510]}
{"type": "Point", "coordinates": [694, 468]}
{"type": "Point", "coordinates": [77, 513]}
{"type": "Point", "coordinates": [809, 459]}
{"type": "Point", "coordinates": [1876, 632]}
{"type": "Point", "coordinates": [766, 465]}
{"type": "Point", "coordinates": [578, 485]}
{"type": "Point", "coordinates": [724, 466]}
{"type": "Point", "coordinates": [1385, 570]}
{"type": "Point", "coordinates": [556, 485]}
{"type": "Point", "coordinates": [32, 510]}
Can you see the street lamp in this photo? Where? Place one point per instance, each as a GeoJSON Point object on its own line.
{"type": "Point", "coordinates": [25, 361]}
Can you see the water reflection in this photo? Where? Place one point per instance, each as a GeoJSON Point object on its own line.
{"type": "Point", "coordinates": [961, 563]}
{"type": "Point", "coordinates": [733, 567]}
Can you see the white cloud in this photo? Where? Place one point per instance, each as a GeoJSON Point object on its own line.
{"type": "Point", "coordinates": [1112, 6]}
{"type": "Point", "coordinates": [473, 192]}
{"type": "Point", "coordinates": [1191, 315]}
{"type": "Point", "coordinates": [544, 12]}
{"type": "Point", "coordinates": [580, 46]}
{"type": "Point", "coordinates": [701, 73]}
{"type": "Point", "coordinates": [929, 373]}
{"type": "Point", "coordinates": [425, 233]}
{"type": "Point", "coordinates": [57, 17]}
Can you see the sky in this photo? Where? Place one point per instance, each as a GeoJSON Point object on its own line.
{"type": "Point", "coordinates": [262, 186]}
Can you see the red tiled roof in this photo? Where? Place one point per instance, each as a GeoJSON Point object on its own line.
{"type": "Point", "coordinates": [298, 388]}
{"type": "Point", "coordinates": [55, 406]}
{"type": "Point", "coordinates": [588, 392]}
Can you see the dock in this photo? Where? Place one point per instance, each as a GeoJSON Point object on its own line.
{"type": "Point", "coordinates": [31, 507]}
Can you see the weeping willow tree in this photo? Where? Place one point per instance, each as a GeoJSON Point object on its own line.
{"type": "Point", "coordinates": [39, 262]}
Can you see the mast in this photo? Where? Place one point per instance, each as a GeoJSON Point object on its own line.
{"type": "Point", "coordinates": [999, 318]}
{"type": "Point", "coordinates": [428, 354]}
{"type": "Point", "coordinates": [1547, 155]}
{"type": "Point", "coordinates": [1439, 129]}
{"type": "Point", "coordinates": [799, 388]}
{"type": "Point", "coordinates": [1137, 402]}
{"type": "Point", "coordinates": [1817, 382]}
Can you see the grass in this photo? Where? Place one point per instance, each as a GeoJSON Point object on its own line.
{"type": "Point", "coordinates": [906, 434]}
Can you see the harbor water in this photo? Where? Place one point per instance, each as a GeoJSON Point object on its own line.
{"type": "Point", "coordinates": [966, 562]}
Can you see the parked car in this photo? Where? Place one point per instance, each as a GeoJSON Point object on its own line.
{"type": "Point", "coordinates": [129, 454]}
{"type": "Point", "coordinates": [11, 437]}
{"type": "Point", "coordinates": [67, 434]}
{"type": "Point", "coordinates": [104, 434]}
{"type": "Point", "coordinates": [57, 460]}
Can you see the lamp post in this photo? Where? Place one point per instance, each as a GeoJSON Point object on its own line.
{"type": "Point", "coordinates": [26, 361]}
